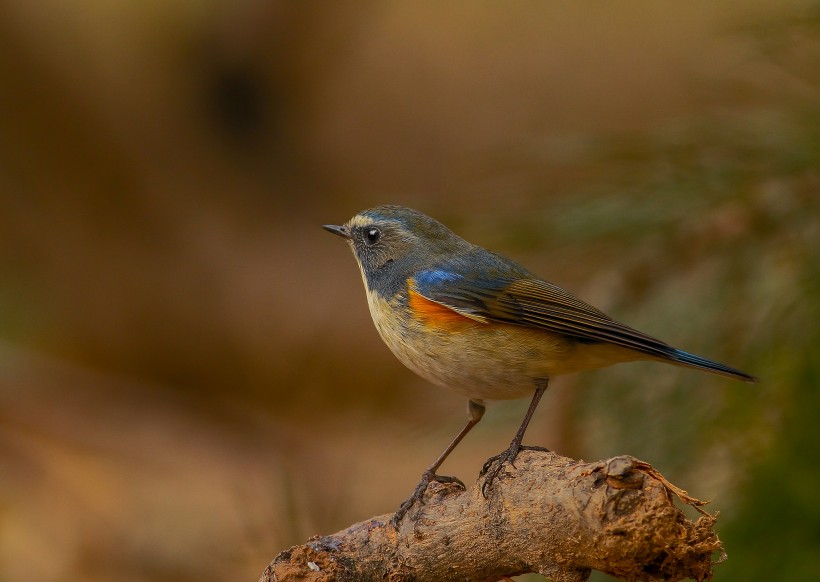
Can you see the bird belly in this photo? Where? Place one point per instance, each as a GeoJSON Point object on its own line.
{"type": "Point", "coordinates": [483, 361]}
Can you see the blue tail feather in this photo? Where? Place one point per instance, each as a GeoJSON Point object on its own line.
{"type": "Point", "coordinates": [688, 359]}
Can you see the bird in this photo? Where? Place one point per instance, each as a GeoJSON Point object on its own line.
{"type": "Point", "coordinates": [478, 323]}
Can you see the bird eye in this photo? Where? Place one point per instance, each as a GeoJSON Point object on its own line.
{"type": "Point", "coordinates": [372, 235]}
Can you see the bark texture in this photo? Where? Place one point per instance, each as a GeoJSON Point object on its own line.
{"type": "Point", "coordinates": [547, 514]}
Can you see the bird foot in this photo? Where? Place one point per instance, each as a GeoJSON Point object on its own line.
{"type": "Point", "coordinates": [418, 495]}
{"type": "Point", "coordinates": [493, 466]}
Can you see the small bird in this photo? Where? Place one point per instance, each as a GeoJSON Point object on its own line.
{"type": "Point", "coordinates": [476, 322]}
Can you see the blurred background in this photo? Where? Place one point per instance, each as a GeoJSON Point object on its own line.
{"type": "Point", "coordinates": [189, 378]}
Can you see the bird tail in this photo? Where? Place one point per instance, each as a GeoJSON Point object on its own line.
{"type": "Point", "coordinates": [687, 359]}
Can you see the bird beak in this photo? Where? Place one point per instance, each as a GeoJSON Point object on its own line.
{"type": "Point", "coordinates": [338, 230]}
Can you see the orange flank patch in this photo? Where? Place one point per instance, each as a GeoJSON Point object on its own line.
{"type": "Point", "coordinates": [433, 313]}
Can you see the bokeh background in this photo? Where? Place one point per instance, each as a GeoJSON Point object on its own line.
{"type": "Point", "coordinates": [189, 378]}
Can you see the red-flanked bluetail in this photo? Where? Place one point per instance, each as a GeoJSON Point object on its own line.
{"type": "Point", "coordinates": [476, 322]}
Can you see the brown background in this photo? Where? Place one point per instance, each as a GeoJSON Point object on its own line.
{"type": "Point", "coordinates": [189, 378]}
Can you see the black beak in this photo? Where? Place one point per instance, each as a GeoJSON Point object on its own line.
{"type": "Point", "coordinates": [338, 230]}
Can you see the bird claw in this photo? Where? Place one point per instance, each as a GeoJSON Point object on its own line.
{"type": "Point", "coordinates": [418, 494]}
{"type": "Point", "coordinates": [492, 467]}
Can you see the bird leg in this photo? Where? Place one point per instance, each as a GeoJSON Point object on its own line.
{"type": "Point", "coordinates": [476, 411]}
{"type": "Point", "coordinates": [494, 464]}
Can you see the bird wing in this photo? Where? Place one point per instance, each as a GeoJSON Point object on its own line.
{"type": "Point", "coordinates": [532, 303]}
{"type": "Point", "coordinates": [508, 293]}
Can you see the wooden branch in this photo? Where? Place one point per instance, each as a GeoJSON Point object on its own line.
{"type": "Point", "coordinates": [548, 514]}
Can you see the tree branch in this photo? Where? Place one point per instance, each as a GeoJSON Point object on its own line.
{"type": "Point", "coordinates": [548, 514]}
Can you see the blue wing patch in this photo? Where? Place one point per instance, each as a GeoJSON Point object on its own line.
{"type": "Point", "coordinates": [435, 277]}
{"type": "Point", "coordinates": [454, 291]}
